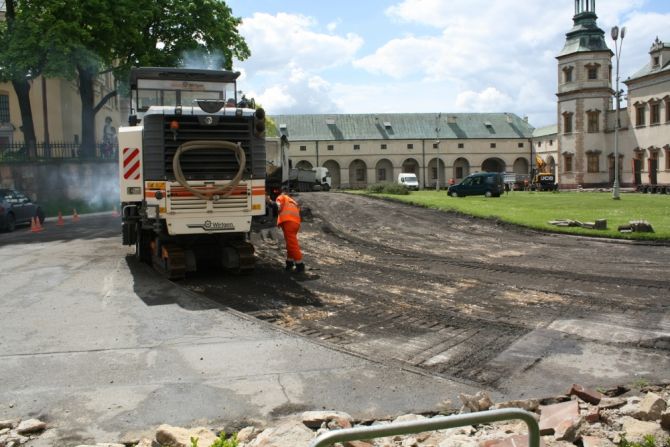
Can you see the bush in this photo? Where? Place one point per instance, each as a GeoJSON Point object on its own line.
{"type": "Point", "coordinates": [388, 188]}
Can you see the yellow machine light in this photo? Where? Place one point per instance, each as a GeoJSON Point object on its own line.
{"type": "Point", "coordinates": [256, 206]}
{"type": "Point", "coordinates": [162, 209]}
{"type": "Point", "coordinates": [155, 185]}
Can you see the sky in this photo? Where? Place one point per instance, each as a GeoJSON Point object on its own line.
{"type": "Point", "coordinates": [424, 56]}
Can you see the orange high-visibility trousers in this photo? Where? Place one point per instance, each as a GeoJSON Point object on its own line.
{"type": "Point", "coordinates": [290, 230]}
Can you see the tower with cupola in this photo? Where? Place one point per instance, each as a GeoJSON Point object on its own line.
{"type": "Point", "coordinates": [584, 97]}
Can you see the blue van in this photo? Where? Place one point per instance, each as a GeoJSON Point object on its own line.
{"type": "Point", "coordinates": [489, 184]}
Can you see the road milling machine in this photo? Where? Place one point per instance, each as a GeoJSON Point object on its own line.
{"type": "Point", "coordinates": [191, 169]}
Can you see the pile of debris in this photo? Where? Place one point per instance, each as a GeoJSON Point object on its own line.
{"type": "Point", "coordinates": [599, 224]}
{"type": "Point", "coordinates": [581, 417]}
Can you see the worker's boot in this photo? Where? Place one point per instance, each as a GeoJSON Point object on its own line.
{"type": "Point", "coordinates": [289, 266]}
{"type": "Point", "coordinates": [300, 267]}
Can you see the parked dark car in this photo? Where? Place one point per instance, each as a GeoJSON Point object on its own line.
{"type": "Point", "coordinates": [16, 208]}
{"type": "Point", "coordinates": [489, 184]}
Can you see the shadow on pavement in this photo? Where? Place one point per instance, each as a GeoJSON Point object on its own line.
{"type": "Point", "coordinates": [267, 288]}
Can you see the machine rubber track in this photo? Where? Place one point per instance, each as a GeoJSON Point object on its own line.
{"type": "Point", "coordinates": [170, 262]}
{"type": "Point", "coordinates": [247, 259]}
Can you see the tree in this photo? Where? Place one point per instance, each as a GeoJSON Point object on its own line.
{"type": "Point", "coordinates": [22, 58]}
{"type": "Point", "coordinates": [86, 38]}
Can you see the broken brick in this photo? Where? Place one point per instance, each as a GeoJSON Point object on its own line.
{"type": "Point", "coordinates": [591, 396]}
{"type": "Point", "coordinates": [553, 415]}
{"type": "Point", "coordinates": [512, 441]}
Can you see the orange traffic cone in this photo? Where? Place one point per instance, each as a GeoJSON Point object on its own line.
{"type": "Point", "coordinates": [35, 225]}
{"type": "Point", "coordinates": [115, 213]}
{"type": "Point", "coordinates": [75, 216]}
{"type": "Point", "coordinates": [60, 222]}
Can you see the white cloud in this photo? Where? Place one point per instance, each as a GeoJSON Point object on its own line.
{"type": "Point", "coordinates": [284, 39]}
{"type": "Point", "coordinates": [488, 100]}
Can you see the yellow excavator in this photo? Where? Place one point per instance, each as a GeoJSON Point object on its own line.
{"type": "Point", "coordinates": [544, 180]}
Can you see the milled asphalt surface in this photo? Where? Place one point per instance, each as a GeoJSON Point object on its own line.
{"type": "Point", "coordinates": [103, 349]}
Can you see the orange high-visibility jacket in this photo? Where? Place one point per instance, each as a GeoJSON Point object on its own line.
{"type": "Point", "coordinates": [288, 210]}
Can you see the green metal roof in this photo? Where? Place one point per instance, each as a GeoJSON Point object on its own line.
{"type": "Point", "coordinates": [584, 36]}
{"type": "Point", "coordinates": [401, 126]}
{"type": "Point", "coordinates": [545, 131]}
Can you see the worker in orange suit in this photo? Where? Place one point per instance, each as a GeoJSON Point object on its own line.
{"type": "Point", "coordinates": [288, 219]}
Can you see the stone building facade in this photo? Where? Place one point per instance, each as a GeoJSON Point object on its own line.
{"type": "Point", "coordinates": [586, 115]}
{"type": "Point", "coordinates": [363, 149]}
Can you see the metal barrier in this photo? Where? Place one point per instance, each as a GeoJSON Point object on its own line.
{"type": "Point", "coordinates": [459, 420]}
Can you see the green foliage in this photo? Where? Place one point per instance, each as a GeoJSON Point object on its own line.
{"type": "Point", "coordinates": [647, 441]}
{"type": "Point", "coordinates": [221, 442]}
{"type": "Point", "coordinates": [388, 188]}
{"type": "Point", "coordinates": [535, 209]}
{"type": "Point", "coordinates": [640, 383]}
{"type": "Point", "coordinates": [226, 442]}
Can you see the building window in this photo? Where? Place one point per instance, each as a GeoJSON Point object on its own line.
{"type": "Point", "coordinates": [303, 148]}
{"type": "Point", "coordinates": [593, 161]}
{"type": "Point", "coordinates": [519, 145]}
{"type": "Point", "coordinates": [461, 145]}
{"type": "Point", "coordinates": [539, 144]}
{"type": "Point", "coordinates": [667, 110]}
{"type": "Point", "coordinates": [434, 173]}
{"type": "Point", "coordinates": [493, 145]}
{"type": "Point", "coordinates": [657, 61]}
{"type": "Point", "coordinates": [4, 109]}
{"type": "Point", "coordinates": [360, 174]}
{"type": "Point", "coordinates": [592, 117]}
{"type": "Point", "coordinates": [331, 147]}
{"type": "Point", "coordinates": [357, 147]}
{"type": "Point", "coordinates": [435, 145]}
{"type": "Point", "coordinates": [410, 146]}
{"type": "Point", "coordinates": [567, 75]}
{"type": "Point", "coordinates": [383, 146]}
{"type": "Point", "coordinates": [655, 109]}
{"type": "Point", "coordinates": [667, 158]}
{"type": "Point", "coordinates": [567, 122]}
{"type": "Point", "coordinates": [551, 142]}
{"type": "Point", "coordinates": [381, 174]}
{"type": "Point", "coordinates": [593, 73]}
{"type": "Point", "coordinates": [567, 165]}
{"type": "Point", "coordinates": [639, 115]}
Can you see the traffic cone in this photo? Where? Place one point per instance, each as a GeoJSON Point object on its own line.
{"type": "Point", "coordinates": [115, 213]}
{"type": "Point", "coordinates": [60, 222]}
{"type": "Point", "coordinates": [75, 216]}
{"type": "Point", "coordinates": [35, 225]}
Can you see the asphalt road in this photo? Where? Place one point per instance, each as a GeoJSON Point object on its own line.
{"type": "Point", "coordinates": [402, 309]}
{"type": "Point", "coordinates": [104, 349]}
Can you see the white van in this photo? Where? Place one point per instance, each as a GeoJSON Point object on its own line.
{"type": "Point", "coordinates": [409, 180]}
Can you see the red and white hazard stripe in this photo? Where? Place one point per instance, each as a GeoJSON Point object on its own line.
{"type": "Point", "coordinates": [131, 163]}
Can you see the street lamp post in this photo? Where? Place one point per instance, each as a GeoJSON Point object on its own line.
{"type": "Point", "coordinates": [617, 95]}
{"type": "Point", "coordinates": [437, 146]}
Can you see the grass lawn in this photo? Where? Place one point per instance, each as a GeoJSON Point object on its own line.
{"type": "Point", "coordinates": [535, 209]}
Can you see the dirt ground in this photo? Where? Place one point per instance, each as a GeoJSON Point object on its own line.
{"type": "Point", "coordinates": [468, 299]}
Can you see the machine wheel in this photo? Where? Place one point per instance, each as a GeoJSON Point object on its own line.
{"type": "Point", "coordinates": [488, 194]}
{"type": "Point", "coordinates": [454, 194]}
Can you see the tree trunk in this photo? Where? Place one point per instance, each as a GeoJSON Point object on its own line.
{"type": "Point", "coordinates": [87, 148]}
{"type": "Point", "coordinates": [22, 89]}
